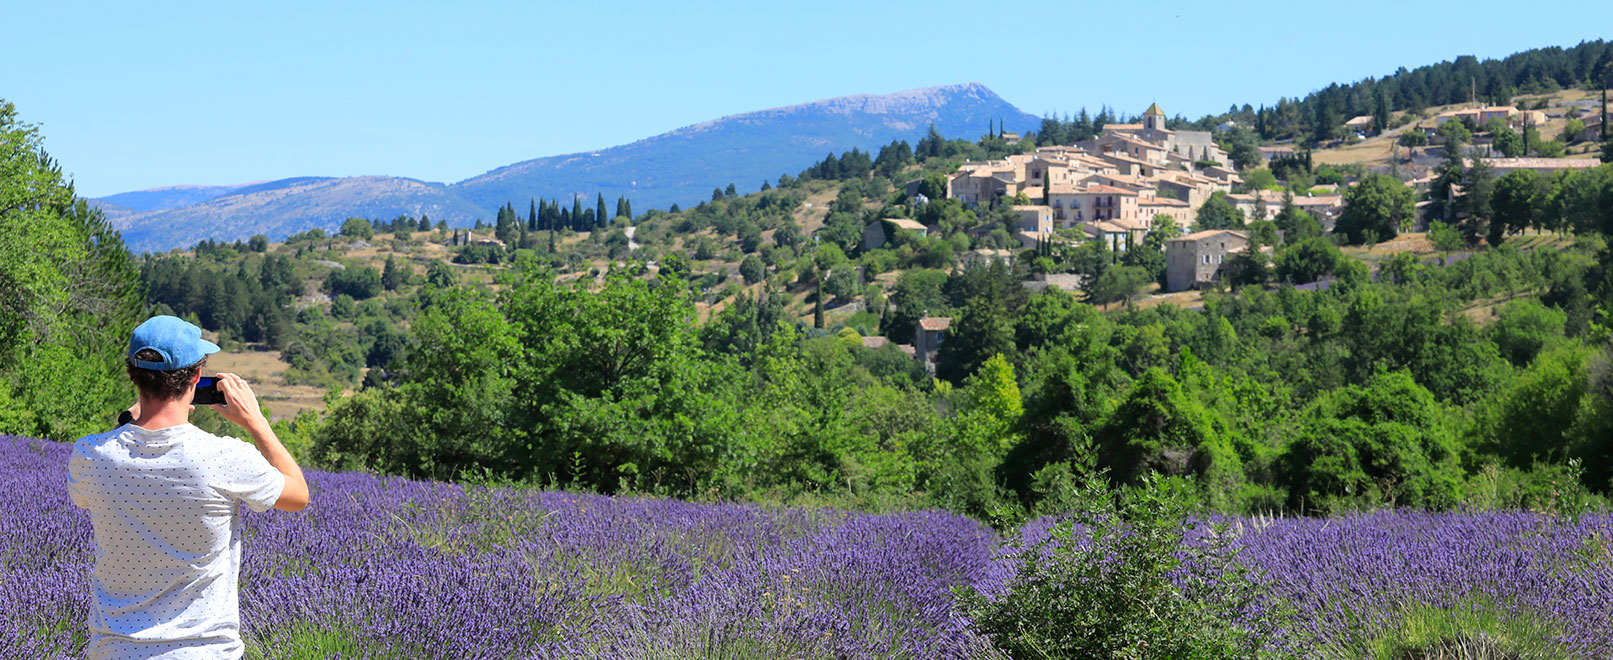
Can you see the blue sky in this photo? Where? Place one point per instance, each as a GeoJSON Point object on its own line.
{"type": "Point", "coordinates": [139, 95]}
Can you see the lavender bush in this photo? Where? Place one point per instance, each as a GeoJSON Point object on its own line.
{"type": "Point", "coordinates": [392, 568]}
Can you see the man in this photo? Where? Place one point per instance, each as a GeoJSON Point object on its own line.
{"type": "Point", "coordinates": [164, 498]}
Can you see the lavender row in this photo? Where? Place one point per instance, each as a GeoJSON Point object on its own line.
{"type": "Point", "coordinates": [386, 567]}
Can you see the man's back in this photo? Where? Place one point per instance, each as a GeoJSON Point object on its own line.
{"type": "Point", "coordinates": [167, 537]}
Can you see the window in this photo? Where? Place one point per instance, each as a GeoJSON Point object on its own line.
{"type": "Point", "coordinates": [1206, 258]}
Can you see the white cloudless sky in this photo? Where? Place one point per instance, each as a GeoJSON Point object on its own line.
{"type": "Point", "coordinates": [140, 95]}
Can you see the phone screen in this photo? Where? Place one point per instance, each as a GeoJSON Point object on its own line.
{"type": "Point", "coordinates": [207, 392]}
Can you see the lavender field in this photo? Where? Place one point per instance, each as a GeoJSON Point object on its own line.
{"type": "Point", "coordinates": [392, 568]}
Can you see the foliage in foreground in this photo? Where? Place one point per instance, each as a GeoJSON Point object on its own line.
{"type": "Point", "coordinates": [1129, 575]}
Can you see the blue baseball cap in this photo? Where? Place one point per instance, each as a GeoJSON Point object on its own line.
{"type": "Point", "coordinates": [180, 343]}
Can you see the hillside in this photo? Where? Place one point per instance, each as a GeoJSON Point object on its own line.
{"type": "Point", "coordinates": [281, 208]}
{"type": "Point", "coordinates": [169, 197]}
{"type": "Point", "coordinates": [677, 167]}
{"type": "Point", "coordinates": [684, 165]}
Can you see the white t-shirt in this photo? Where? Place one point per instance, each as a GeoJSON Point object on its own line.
{"type": "Point", "coordinates": [167, 538]}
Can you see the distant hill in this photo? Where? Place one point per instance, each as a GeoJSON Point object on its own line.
{"type": "Point", "coordinates": [281, 208]}
{"type": "Point", "coordinates": [170, 197]}
{"type": "Point", "coordinates": [681, 166]}
{"type": "Point", "coordinates": [684, 165]}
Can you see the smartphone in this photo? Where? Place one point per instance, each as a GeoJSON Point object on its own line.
{"type": "Point", "coordinates": [207, 392]}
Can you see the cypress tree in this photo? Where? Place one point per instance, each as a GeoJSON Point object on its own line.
{"type": "Point", "coordinates": [600, 218]}
{"type": "Point", "coordinates": [576, 214]}
{"type": "Point", "coordinates": [1604, 108]}
{"type": "Point", "coordinates": [532, 217]}
{"type": "Point", "coordinates": [817, 308]}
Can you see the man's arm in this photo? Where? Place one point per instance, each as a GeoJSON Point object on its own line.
{"type": "Point", "coordinates": [241, 407]}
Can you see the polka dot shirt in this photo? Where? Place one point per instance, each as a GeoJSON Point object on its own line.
{"type": "Point", "coordinates": [165, 508]}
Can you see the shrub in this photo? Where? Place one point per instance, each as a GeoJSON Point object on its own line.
{"type": "Point", "coordinates": [1130, 576]}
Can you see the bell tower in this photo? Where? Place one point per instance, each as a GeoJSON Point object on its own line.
{"type": "Point", "coordinates": [1153, 118]}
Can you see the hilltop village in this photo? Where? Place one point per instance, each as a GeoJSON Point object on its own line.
{"type": "Point", "coordinates": [1134, 179]}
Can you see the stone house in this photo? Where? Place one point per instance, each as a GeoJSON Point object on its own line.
{"type": "Point", "coordinates": [932, 330]}
{"type": "Point", "coordinates": [876, 233]}
{"type": "Point", "coordinates": [1176, 209]}
{"type": "Point", "coordinates": [1073, 205]}
{"type": "Point", "coordinates": [1194, 260]}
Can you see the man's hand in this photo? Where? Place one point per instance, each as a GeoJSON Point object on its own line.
{"type": "Point", "coordinates": [241, 407]}
{"type": "Point", "coordinates": [240, 404]}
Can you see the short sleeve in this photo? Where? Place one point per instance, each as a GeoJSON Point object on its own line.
{"type": "Point", "coordinates": [76, 468]}
{"type": "Point", "coordinates": [246, 476]}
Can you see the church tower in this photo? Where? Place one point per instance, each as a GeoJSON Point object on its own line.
{"type": "Point", "coordinates": [1153, 118]}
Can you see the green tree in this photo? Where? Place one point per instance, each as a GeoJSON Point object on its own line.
{"type": "Point", "coordinates": [69, 294]}
{"type": "Point", "coordinates": [1294, 222]}
{"type": "Point", "coordinates": [441, 275]}
{"type": "Point", "coordinates": [394, 274]}
{"type": "Point", "coordinates": [841, 282]}
{"type": "Point", "coordinates": [1524, 328]}
{"type": "Point", "coordinates": [1530, 419]}
{"type": "Point", "coordinates": [981, 331]}
{"type": "Point", "coordinates": [1456, 134]}
{"type": "Point", "coordinates": [1160, 428]}
{"type": "Point", "coordinates": [357, 228]}
{"type": "Point", "coordinates": [1379, 206]}
{"type": "Point", "coordinates": [1571, 130]}
{"type": "Point", "coordinates": [1388, 442]}
{"type": "Point", "coordinates": [918, 294]}
{"type": "Point", "coordinates": [1509, 143]}
{"type": "Point", "coordinates": [359, 282]}
{"type": "Point", "coordinates": [1413, 137]}
{"type": "Point", "coordinates": [1218, 213]}
{"type": "Point", "coordinates": [1475, 204]}
{"type": "Point", "coordinates": [934, 187]}
{"type": "Point", "coordinates": [1117, 284]}
{"type": "Point", "coordinates": [1247, 268]}
{"type": "Point", "coordinates": [1306, 260]}
{"type": "Point", "coordinates": [1260, 179]}
{"type": "Point", "coordinates": [1445, 237]}
{"type": "Point", "coordinates": [1517, 198]}
{"type": "Point", "coordinates": [752, 269]}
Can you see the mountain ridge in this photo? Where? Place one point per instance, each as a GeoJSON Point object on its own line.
{"type": "Point", "coordinates": [678, 166]}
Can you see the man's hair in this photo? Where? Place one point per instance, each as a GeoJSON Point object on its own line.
{"type": "Point", "coordinates": [162, 385]}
